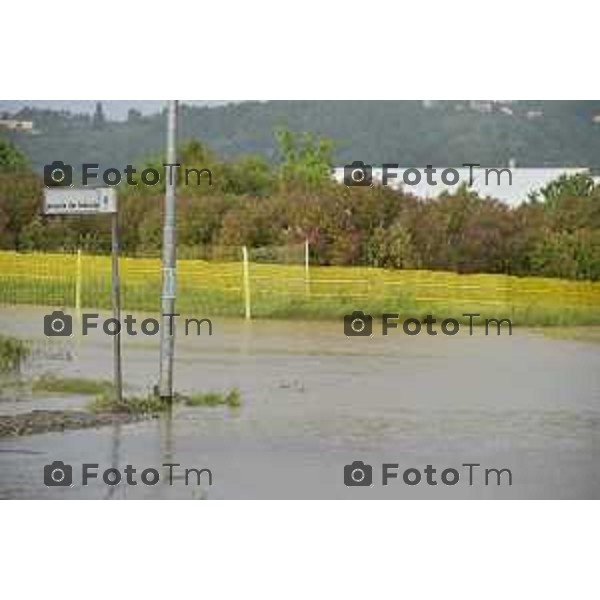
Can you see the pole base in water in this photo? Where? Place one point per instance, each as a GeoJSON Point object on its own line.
{"type": "Point", "coordinates": [165, 399]}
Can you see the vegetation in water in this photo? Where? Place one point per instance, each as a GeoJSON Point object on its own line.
{"type": "Point", "coordinates": [231, 399]}
{"type": "Point", "coordinates": [138, 405]}
{"type": "Point", "coordinates": [69, 385]}
{"type": "Point", "coordinates": [152, 404]}
{"type": "Point", "coordinates": [12, 353]}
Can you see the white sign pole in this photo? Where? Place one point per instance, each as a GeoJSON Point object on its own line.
{"type": "Point", "coordinates": [67, 201]}
{"type": "Point", "coordinates": [116, 305]}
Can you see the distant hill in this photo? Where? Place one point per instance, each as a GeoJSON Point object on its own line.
{"type": "Point", "coordinates": [534, 133]}
{"type": "Point", "coordinates": [116, 110]}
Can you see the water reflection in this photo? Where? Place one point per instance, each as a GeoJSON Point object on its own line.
{"type": "Point", "coordinates": [115, 461]}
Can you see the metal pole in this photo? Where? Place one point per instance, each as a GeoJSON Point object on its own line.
{"type": "Point", "coordinates": [167, 332]}
{"type": "Point", "coordinates": [116, 302]}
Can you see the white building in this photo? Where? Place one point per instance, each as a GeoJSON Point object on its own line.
{"type": "Point", "coordinates": [14, 125]}
{"type": "Point", "coordinates": [513, 190]}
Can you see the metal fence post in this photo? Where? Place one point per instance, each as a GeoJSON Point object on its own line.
{"type": "Point", "coordinates": [306, 268]}
{"type": "Point", "coordinates": [247, 311]}
{"type": "Point", "coordinates": [78, 285]}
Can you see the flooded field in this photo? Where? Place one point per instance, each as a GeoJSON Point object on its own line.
{"type": "Point", "coordinates": [314, 401]}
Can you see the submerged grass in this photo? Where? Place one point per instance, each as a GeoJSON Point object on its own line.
{"type": "Point", "coordinates": [70, 385]}
{"type": "Point", "coordinates": [154, 405]}
{"type": "Point", "coordinates": [12, 353]}
{"type": "Point", "coordinates": [137, 405]}
{"type": "Point", "coordinates": [231, 399]}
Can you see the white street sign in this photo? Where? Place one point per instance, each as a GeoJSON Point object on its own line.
{"type": "Point", "coordinates": [73, 201]}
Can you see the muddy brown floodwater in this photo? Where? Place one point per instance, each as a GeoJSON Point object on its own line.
{"type": "Point", "coordinates": [314, 401]}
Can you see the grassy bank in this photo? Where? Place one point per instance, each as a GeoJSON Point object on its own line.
{"type": "Point", "coordinates": [212, 289]}
{"type": "Point", "coordinates": [577, 334]}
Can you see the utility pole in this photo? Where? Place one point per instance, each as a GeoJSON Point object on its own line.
{"type": "Point", "coordinates": [167, 331]}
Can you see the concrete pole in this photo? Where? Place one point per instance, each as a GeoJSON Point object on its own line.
{"type": "Point", "coordinates": [167, 333]}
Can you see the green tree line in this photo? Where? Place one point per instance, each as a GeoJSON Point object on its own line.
{"type": "Point", "coordinates": [272, 206]}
